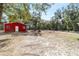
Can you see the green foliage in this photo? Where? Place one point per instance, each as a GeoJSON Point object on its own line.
{"type": "Point", "coordinates": [19, 12]}
{"type": "Point", "coordinates": [63, 19]}
{"type": "Point", "coordinates": [1, 9]}
{"type": "Point", "coordinates": [67, 18]}
{"type": "Point", "coordinates": [38, 9]}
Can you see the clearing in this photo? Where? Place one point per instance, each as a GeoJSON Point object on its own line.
{"type": "Point", "coordinates": [50, 43]}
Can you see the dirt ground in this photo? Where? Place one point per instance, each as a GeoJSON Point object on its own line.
{"type": "Point", "coordinates": [48, 43]}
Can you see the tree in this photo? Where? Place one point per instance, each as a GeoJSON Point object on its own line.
{"type": "Point", "coordinates": [56, 20]}
{"type": "Point", "coordinates": [71, 14]}
{"type": "Point", "coordinates": [18, 12]}
{"type": "Point", "coordinates": [1, 10]}
{"type": "Point", "coordinates": [38, 9]}
{"type": "Point", "coordinates": [68, 16]}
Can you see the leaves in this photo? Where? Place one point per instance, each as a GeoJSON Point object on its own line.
{"type": "Point", "coordinates": [69, 17]}
{"type": "Point", "coordinates": [17, 12]}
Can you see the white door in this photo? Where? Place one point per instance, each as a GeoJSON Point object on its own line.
{"type": "Point", "coordinates": [16, 29]}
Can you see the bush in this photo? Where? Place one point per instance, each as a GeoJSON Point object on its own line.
{"type": "Point", "coordinates": [1, 27]}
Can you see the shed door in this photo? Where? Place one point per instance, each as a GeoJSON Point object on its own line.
{"type": "Point", "coordinates": [16, 29]}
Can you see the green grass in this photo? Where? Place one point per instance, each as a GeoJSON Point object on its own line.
{"type": "Point", "coordinates": [73, 36]}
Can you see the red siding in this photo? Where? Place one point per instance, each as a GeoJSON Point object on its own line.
{"type": "Point", "coordinates": [10, 27]}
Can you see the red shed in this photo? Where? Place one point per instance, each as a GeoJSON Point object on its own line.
{"type": "Point", "coordinates": [15, 27]}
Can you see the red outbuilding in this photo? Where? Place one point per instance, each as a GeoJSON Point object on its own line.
{"type": "Point", "coordinates": [15, 27]}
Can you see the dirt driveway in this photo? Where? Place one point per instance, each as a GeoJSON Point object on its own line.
{"type": "Point", "coordinates": [50, 43]}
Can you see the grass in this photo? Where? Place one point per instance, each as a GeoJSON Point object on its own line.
{"type": "Point", "coordinates": [73, 36]}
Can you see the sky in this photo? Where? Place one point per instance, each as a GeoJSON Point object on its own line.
{"type": "Point", "coordinates": [50, 12]}
{"type": "Point", "coordinates": [53, 1]}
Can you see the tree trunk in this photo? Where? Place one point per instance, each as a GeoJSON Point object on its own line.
{"type": "Point", "coordinates": [1, 9]}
